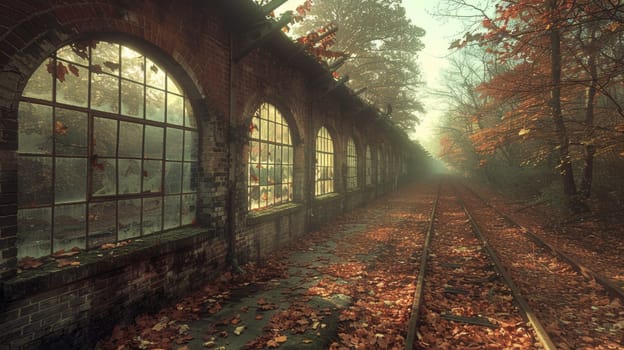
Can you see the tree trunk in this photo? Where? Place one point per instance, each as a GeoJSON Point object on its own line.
{"type": "Point", "coordinates": [590, 148]}
{"type": "Point", "coordinates": [565, 164]}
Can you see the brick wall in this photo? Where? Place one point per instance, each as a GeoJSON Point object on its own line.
{"type": "Point", "coordinates": [72, 307]}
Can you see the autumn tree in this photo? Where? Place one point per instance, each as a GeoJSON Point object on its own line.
{"type": "Point", "coordinates": [563, 58]}
{"type": "Point", "coordinates": [382, 44]}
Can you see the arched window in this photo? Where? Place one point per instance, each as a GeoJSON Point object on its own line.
{"type": "Point", "coordinates": [107, 150]}
{"type": "Point", "coordinates": [270, 174]}
{"type": "Point", "coordinates": [369, 166]}
{"type": "Point", "coordinates": [352, 181]}
{"type": "Point", "coordinates": [324, 163]}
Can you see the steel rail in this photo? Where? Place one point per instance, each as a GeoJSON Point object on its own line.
{"type": "Point", "coordinates": [524, 307]}
{"type": "Point", "coordinates": [612, 288]}
{"type": "Point", "coordinates": [420, 282]}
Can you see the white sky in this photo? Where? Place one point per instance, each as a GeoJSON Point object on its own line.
{"type": "Point", "coordinates": [432, 60]}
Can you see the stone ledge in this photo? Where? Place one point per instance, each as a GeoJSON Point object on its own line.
{"type": "Point", "coordinates": [98, 261]}
{"type": "Point", "coordinates": [264, 215]}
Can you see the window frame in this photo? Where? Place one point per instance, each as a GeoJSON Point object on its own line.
{"type": "Point", "coordinates": [352, 165]}
{"type": "Point", "coordinates": [177, 120]}
{"type": "Point", "coordinates": [259, 138]}
{"type": "Point", "coordinates": [324, 163]}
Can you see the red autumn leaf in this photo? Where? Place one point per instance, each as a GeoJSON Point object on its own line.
{"type": "Point", "coordinates": [96, 68]}
{"type": "Point", "coordinates": [60, 128]}
{"type": "Point", "coordinates": [28, 262]}
{"type": "Point", "coordinates": [73, 69]}
{"type": "Point", "coordinates": [252, 127]}
{"type": "Point", "coordinates": [66, 262]}
{"type": "Point", "coordinates": [63, 254]}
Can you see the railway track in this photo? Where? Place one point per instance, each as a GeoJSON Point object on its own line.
{"type": "Point", "coordinates": [487, 282]}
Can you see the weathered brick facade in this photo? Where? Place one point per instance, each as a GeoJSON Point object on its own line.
{"type": "Point", "coordinates": [194, 41]}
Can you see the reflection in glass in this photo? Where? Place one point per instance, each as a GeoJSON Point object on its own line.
{"type": "Point", "coordinates": [132, 64]}
{"type": "Point", "coordinates": [131, 99]}
{"type": "Point", "coordinates": [34, 227]}
{"type": "Point", "coordinates": [102, 219]}
{"type": "Point", "coordinates": [104, 137]}
{"type": "Point", "coordinates": [172, 211]}
{"type": "Point", "coordinates": [34, 128]}
{"type": "Point", "coordinates": [40, 83]}
{"type": "Point", "coordinates": [70, 179]}
{"type": "Point", "coordinates": [104, 177]}
{"type": "Point", "coordinates": [130, 140]}
{"type": "Point", "coordinates": [129, 221]}
{"type": "Point", "coordinates": [70, 132]}
{"type": "Point", "coordinates": [152, 215]}
{"type": "Point", "coordinates": [129, 176]}
{"type": "Point", "coordinates": [152, 176]}
{"type": "Point", "coordinates": [69, 227]}
{"type": "Point", "coordinates": [175, 109]}
{"type": "Point", "coordinates": [104, 93]}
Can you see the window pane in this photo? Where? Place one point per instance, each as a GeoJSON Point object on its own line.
{"type": "Point", "coordinates": [74, 89]}
{"type": "Point", "coordinates": [132, 64]}
{"type": "Point", "coordinates": [188, 183]}
{"type": "Point", "coordinates": [130, 140]}
{"type": "Point", "coordinates": [34, 227]}
{"type": "Point", "coordinates": [152, 215]}
{"type": "Point", "coordinates": [104, 137]}
{"type": "Point", "coordinates": [131, 99]}
{"type": "Point", "coordinates": [102, 223]}
{"type": "Point", "coordinates": [188, 209]}
{"type": "Point", "coordinates": [172, 86]}
{"type": "Point", "coordinates": [69, 227]}
{"type": "Point", "coordinates": [174, 144]}
{"type": "Point", "coordinates": [104, 177]}
{"type": "Point", "coordinates": [129, 225]}
{"type": "Point", "coordinates": [152, 176]}
{"type": "Point", "coordinates": [34, 183]}
{"type": "Point", "coordinates": [190, 145]}
{"type": "Point", "coordinates": [129, 176]}
{"type": "Point", "coordinates": [34, 128]}
{"type": "Point", "coordinates": [153, 142]}
{"type": "Point", "coordinates": [104, 92]}
{"type": "Point", "coordinates": [155, 105]}
{"type": "Point", "coordinates": [172, 211]}
{"type": "Point", "coordinates": [155, 75]}
{"type": "Point", "coordinates": [70, 132]}
{"type": "Point", "coordinates": [68, 53]}
{"type": "Point", "coordinates": [106, 56]}
{"type": "Point", "coordinates": [173, 177]}
{"type": "Point", "coordinates": [175, 109]}
{"type": "Point", "coordinates": [70, 180]}
{"type": "Point", "coordinates": [189, 118]}
{"type": "Point", "coordinates": [40, 83]}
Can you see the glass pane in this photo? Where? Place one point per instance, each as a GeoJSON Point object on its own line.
{"type": "Point", "coordinates": [129, 176]}
{"type": "Point", "coordinates": [106, 56]}
{"type": "Point", "coordinates": [173, 177]}
{"type": "Point", "coordinates": [34, 128]}
{"type": "Point", "coordinates": [131, 99]}
{"type": "Point", "coordinates": [175, 109]}
{"type": "Point", "coordinates": [67, 53]}
{"type": "Point", "coordinates": [152, 176]}
{"type": "Point", "coordinates": [102, 223]}
{"type": "Point", "coordinates": [34, 227]}
{"type": "Point", "coordinates": [172, 212]}
{"type": "Point", "coordinates": [70, 179]}
{"type": "Point", "coordinates": [188, 209]}
{"type": "Point", "coordinates": [104, 177]}
{"type": "Point", "coordinates": [132, 64]}
{"type": "Point", "coordinates": [155, 75]}
{"type": "Point", "coordinates": [153, 142]}
{"type": "Point", "coordinates": [172, 86]}
{"type": "Point", "coordinates": [190, 145]}
{"type": "Point", "coordinates": [69, 227]}
{"type": "Point", "coordinates": [70, 132]}
{"type": "Point", "coordinates": [174, 144]}
{"type": "Point", "coordinates": [189, 117]}
{"type": "Point", "coordinates": [130, 140]}
{"type": "Point", "coordinates": [155, 105]}
{"type": "Point", "coordinates": [104, 137]}
{"type": "Point", "coordinates": [40, 83]}
{"type": "Point", "coordinates": [152, 215]}
{"type": "Point", "coordinates": [74, 89]}
{"type": "Point", "coordinates": [188, 185]}
{"type": "Point", "coordinates": [34, 182]}
{"type": "Point", "coordinates": [104, 93]}
{"type": "Point", "coordinates": [129, 225]}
